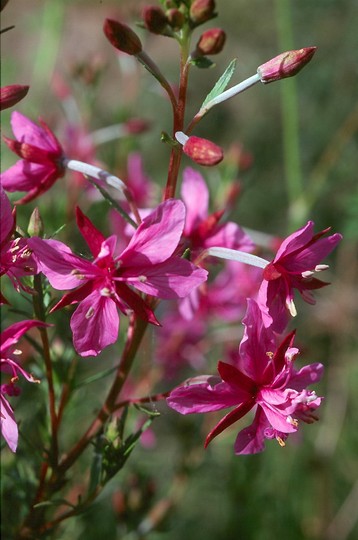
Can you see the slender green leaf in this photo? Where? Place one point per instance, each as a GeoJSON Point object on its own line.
{"type": "Point", "coordinates": [221, 83]}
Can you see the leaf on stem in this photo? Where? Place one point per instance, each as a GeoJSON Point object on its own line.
{"type": "Point", "coordinates": [221, 84]}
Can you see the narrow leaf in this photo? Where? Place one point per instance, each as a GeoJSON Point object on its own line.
{"type": "Point", "coordinates": [221, 83]}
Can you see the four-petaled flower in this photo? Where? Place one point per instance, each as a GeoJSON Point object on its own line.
{"type": "Point", "coordinates": [262, 375]}
{"type": "Point", "coordinates": [15, 258]}
{"type": "Point", "coordinates": [293, 267]}
{"type": "Point", "coordinates": [8, 340]}
{"type": "Point", "coordinates": [41, 156]}
{"type": "Point", "coordinates": [147, 264]}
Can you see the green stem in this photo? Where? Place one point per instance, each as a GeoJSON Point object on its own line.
{"type": "Point", "coordinates": [290, 122]}
{"type": "Point", "coordinates": [135, 334]}
{"type": "Point", "coordinates": [40, 315]}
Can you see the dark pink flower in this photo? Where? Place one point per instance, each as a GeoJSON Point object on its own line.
{"type": "Point", "coordinates": [263, 376]}
{"type": "Point", "coordinates": [8, 364]}
{"type": "Point", "coordinates": [41, 156]}
{"type": "Point", "coordinates": [202, 230]}
{"type": "Point", "coordinates": [297, 259]}
{"type": "Point", "coordinates": [105, 284]}
{"type": "Point", "coordinates": [15, 257]}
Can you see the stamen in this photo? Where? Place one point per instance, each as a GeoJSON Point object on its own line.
{"type": "Point", "coordinates": [281, 442]}
{"type": "Point", "coordinates": [78, 274]}
{"type": "Point", "coordinates": [291, 308]}
{"type": "Point", "coordinates": [90, 313]}
{"type": "Point", "coordinates": [106, 292]}
{"type": "Point", "coordinates": [292, 421]}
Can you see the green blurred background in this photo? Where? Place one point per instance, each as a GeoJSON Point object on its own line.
{"type": "Point", "coordinates": [302, 135]}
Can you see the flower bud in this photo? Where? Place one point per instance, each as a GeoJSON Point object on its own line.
{"type": "Point", "coordinates": [176, 18]}
{"type": "Point", "coordinates": [211, 42]}
{"type": "Point", "coordinates": [122, 37]}
{"type": "Point", "coordinates": [36, 225]}
{"type": "Point", "coordinates": [202, 151]}
{"type": "Point", "coordinates": [202, 10]}
{"type": "Point", "coordinates": [135, 126]}
{"type": "Point", "coordinates": [10, 95]}
{"type": "Point", "coordinates": [285, 64]}
{"type": "Point", "coordinates": [154, 19]}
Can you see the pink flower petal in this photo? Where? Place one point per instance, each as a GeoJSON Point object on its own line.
{"type": "Point", "coordinates": [94, 324]}
{"type": "Point", "coordinates": [255, 344]}
{"type": "Point", "coordinates": [7, 220]}
{"type": "Point", "coordinates": [307, 375]}
{"type": "Point", "coordinates": [195, 195]}
{"type": "Point", "coordinates": [174, 278]}
{"type": "Point", "coordinates": [8, 424]}
{"type": "Point", "coordinates": [295, 241]}
{"type": "Point", "coordinates": [63, 269]}
{"type": "Point", "coordinates": [157, 236]}
{"type": "Point", "coordinates": [27, 131]}
{"type": "Point", "coordinates": [11, 335]}
{"type": "Point", "coordinates": [25, 176]}
{"type": "Point", "coordinates": [230, 235]}
{"type": "Point", "coordinates": [251, 439]}
{"type": "Point", "coordinates": [90, 233]}
{"type": "Point", "coordinates": [202, 394]}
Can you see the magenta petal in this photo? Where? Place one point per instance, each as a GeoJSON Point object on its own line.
{"type": "Point", "coordinates": [174, 278]}
{"type": "Point", "coordinates": [309, 257]}
{"type": "Point", "coordinates": [251, 439]}
{"type": "Point", "coordinates": [94, 324]}
{"type": "Point", "coordinates": [255, 344]}
{"type": "Point", "coordinates": [195, 195]}
{"type": "Point", "coordinates": [7, 220]}
{"type": "Point", "coordinates": [307, 375]}
{"type": "Point", "coordinates": [196, 396]}
{"type": "Point", "coordinates": [296, 240]}
{"type": "Point", "coordinates": [27, 131]}
{"type": "Point", "coordinates": [63, 269]}
{"type": "Point", "coordinates": [90, 233]}
{"type": "Point", "coordinates": [229, 419]}
{"type": "Point", "coordinates": [8, 424]}
{"type": "Point", "coordinates": [276, 418]}
{"type": "Point", "coordinates": [11, 335]}
{"type": "Point", "coordinates": [24, 176]}
{"type": "Point", "coordinates": [231, 236]}
{"type": "Point", "coordinates": [157, 236]}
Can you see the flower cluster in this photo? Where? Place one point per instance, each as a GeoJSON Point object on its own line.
{"type": "Point", "coordinates": [183, 249]}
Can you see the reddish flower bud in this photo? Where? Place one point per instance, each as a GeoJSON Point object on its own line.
{"type": "Point", "coordinates": [154, 19]}
{"type": "Point", "coordinates": [122, 37]}
{"type": "Point", "coordinates": [202, 10]}
{"type": "Point", "coordinates": [285, 64]}
{"type": "Point", "coordinates": [176, 18]}
{"type": "Point", "coordinates": [134, 126]}
{"type": "Point", "coordinates": [10, 95]}
{"type": "Point", "coordinates": [211, 42]}
{"type": "Point", "coordinates": [200, 150]}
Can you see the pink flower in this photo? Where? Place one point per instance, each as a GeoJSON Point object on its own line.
{"type": "Point", "coordinates": [8, 340]}
{"type": "Point", "coordinates": [41, 158]}
{"type": "Point", "coordinates": [102, 286]}
{"type": "Point", "coordinates": [296, 260]}
{"type": "Point", "coordinates": [202, 230]}
{"type": "Point", "coordinates": [263, 376]}
{"type": "Point", "coordinates": [15, 258]}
